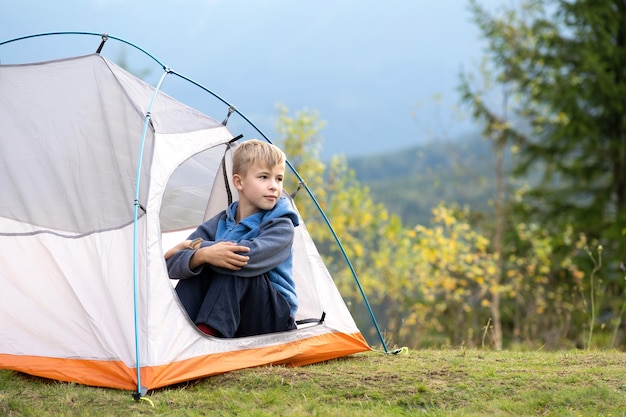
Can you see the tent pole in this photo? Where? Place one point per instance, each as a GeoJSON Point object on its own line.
{"type": "Point", "coordinates": [332, 231]}
{"type": "Point", "coordinates": [346, 258]}
{"type": "Point", "coordinates": [102, 36]}
{"type": "Point", "coordinates": [232, 108]}
{"type": "Point", "coordinates": [140, 390]}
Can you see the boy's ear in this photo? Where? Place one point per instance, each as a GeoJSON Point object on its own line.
{"type": "Point", "coordinates": [237, 182]}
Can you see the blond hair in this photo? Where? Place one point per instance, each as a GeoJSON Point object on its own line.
{"type": "Point", "coordinates": [254, 151]}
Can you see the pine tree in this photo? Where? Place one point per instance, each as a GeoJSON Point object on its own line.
{"type": "Point", "coordinates": [566, 63]}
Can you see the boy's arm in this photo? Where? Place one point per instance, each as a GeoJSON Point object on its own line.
{"type": "Point", "coordinates": [226, 255]}
{"type": "Point", "coordinates": [186, 262]}
{"type": "Point", "coordinates": [178, 258]}
{"type": "Point", "coordinates": [270, 248]}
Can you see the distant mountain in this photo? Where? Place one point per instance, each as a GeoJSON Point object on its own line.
{"type": "Point", "coordinates": [411, 181]}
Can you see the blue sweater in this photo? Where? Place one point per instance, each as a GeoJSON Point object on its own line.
{"type": "Point", "coordinates": [269, 235]}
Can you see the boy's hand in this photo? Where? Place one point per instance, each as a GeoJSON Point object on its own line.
{"type": "Point", "coordinates": [222, 255]}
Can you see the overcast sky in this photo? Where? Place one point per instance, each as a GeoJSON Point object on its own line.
{"type": "Point", "coordinates": [370, 68]}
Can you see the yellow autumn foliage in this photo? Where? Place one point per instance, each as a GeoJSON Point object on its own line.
{"type": "Point", "coordinates": [432, 283]}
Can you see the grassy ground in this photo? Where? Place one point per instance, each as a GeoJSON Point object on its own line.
{"type": "Point", "coordinates": [424, 382]}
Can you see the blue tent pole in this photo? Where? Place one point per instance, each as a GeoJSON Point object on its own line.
{"type": "Point", "coordinates": [140, 390]}
{"type": "Point", "coordinates": [308, 190]}
{"type": "Point", "coordinates": [137, 204]}
{"type": "Point", "coordinates": [341, 248]}
{"type": "Point", "coordinates": [104, 36]}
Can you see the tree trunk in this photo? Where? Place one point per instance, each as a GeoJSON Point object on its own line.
{"type": "Point", "coordinates": [497, 245]}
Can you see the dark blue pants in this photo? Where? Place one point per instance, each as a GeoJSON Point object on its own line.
{"type": "Point", "coordinates": [235, 306]}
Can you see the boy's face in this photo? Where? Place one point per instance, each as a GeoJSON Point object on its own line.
{"type": "Point", "coordinates": [259, 189]}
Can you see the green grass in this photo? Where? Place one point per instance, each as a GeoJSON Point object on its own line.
{"type": "Point", "coordinates": [423, 382]}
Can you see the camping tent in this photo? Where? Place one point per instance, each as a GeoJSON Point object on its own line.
{"type": "Point", "coordinates": [99, 173]}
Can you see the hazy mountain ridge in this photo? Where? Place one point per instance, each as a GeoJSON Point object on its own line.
{"type": "Point", "coordinates": [411, 181]}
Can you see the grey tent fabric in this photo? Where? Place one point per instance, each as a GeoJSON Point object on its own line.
{"type": "Point", "coordinates": [80, 176]}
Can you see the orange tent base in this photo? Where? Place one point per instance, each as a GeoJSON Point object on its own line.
{"type": "Point", "coordinates": [115, 374]}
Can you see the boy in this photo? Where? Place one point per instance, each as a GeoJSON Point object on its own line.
{"type": "Point", "coordinates": [238, 280]}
